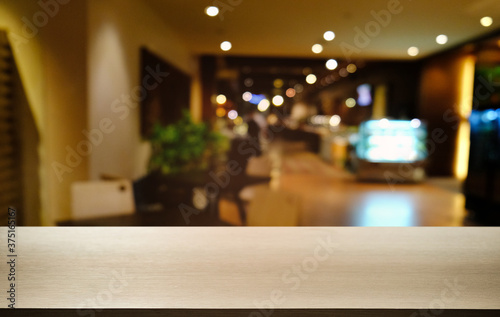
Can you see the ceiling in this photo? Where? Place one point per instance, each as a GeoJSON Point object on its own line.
{"type": "Point", "coordinates": [289, 28]}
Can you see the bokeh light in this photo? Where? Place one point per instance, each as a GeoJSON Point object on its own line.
{"type": "Point", "coordinates": [331, 64]}
{"type": "Point", "coordinates": [232, 114]}
{"type": "Point", "coordinates": [350, 102]}
{"type": "Point", "coordinates": [221, 99]}
{"type": "Point", "coordinates": [226, 46]}
{"type": "Point", "coordinates": [263, 105]}
{"type": "Point", "coordinates": [335, 120]}
{"type": "Point", "coordinates": [211, 11]}
{"type": "Point", "coordinates": [486, 21]}
{"type": "Point", "coordinates": [247, 96]}
{"type": "Point", "coordinates": [413, 51]}
{"type": "Point", "coordinates": [415, 123]}
{"type": "Point", "coordinates": [311, 79]}
{"type": "Point", "coordinates": [278, 83]}
{"type": "Point", "coordinates": [441, 39]}
{"type": "Point", "coordinates": [317, 48]}
{"type": "Point", "coordinates": [278, 100]}
{"type": "Point", "coordinates": [329, 35]}
{"type": "Point", "coordinates": [220, 112]}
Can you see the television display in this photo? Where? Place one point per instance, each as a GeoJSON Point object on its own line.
{"type": "Point", "coordinates": [392, 141]}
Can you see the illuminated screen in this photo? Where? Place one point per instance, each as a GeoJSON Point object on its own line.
{"type": "Point", "coordinates": [392, 141]}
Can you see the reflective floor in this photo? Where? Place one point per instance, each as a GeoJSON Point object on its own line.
{"type": "Point", "coordinates": [323, 195]}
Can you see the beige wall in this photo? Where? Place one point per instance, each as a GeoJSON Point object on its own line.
{"type": "Point", "coordinates": [28, 53]}
{"type": "Point", "coordinates": [73, 66]}
{"type": "Point", "coordinates": [64, 42]}
{"type": "Point", "coordinates": [49, 48]}
{"type": "Point", "coordinates": [116, 33]}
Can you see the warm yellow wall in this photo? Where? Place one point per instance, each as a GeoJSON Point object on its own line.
{"type": "Point", "coordinates": [445, 93]}
{"type": "Point", "coordinates": [50, 55]}
{"type": "Point", "coordinates": [116, 33]}
{"type": "Point", "coordinates": [28, 54]}
{"type": "Point", "coordinates": [64, 43]}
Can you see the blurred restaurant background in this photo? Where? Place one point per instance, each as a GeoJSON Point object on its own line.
{"type": "Point", "coordinates": [250, 112]}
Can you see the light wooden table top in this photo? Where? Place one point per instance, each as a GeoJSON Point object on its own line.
{"type": "Point", "coordinates": [252, 267]}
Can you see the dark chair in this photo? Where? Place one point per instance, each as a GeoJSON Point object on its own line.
{"type": "Point", "coordinates": [241, 150]}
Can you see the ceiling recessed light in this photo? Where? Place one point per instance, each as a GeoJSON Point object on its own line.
{"type": "Point", "coordinates": [351, 68]}
{"type": "Point", "coordinates": [317, 48]}
{"type": "Point", "coordinates": [441, 39]}
{"type": "Point", "coordinates": [211, 11]}
{"type": "Point", "coordinates": [329, 35]}
{"type": "Point", "coordinates": [413, 51]}
{"type": "Point", "coordinates": [331, 64]}
{"type": "Point", "coordinates": [311, 79]}
{"type": "Point", "coordinates": [225, 46]}
{"type": "Point", "coordinates": [486, 21]}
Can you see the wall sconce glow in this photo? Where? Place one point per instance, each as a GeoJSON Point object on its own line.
{"type": "Point", "coordinates": [415, 123]}
{"type": "Point", "coordinates": [351, 68]}
{"type": "Point", "coordinates": [263, 105]}
{"type": "Point", "coordinates": [486, 21]}
{"type": "Point", "coordinates": [317, 48]}
{"type": "Point", "coordinates": [413, 51]}
{"type": "Point", "coordinates": [225, 46]}
{"type": "Point", "coordinates": [278, 100]}
{"type": "Point", "coordinates": [211, 11]}
{"type": "Point", "coordinates": [350, 102]}
{"type": "Point", "coordinates": [441, 39]}
{"type": "Point", "coordinates": [331, 64]}
{"type": "Point", "coordinates": [329, 35]}
{"type": "Point", "coordinates": [311, 79]}
{"type": "Point", "coordinates": [221, 99]}
{"type": "Point", "coordinates": [247, 96]}
{"type": "Point", "coordinates": [290, 92]}
{"type": "Point", "coordinates": [232, 114]}
{"type": "Point", "coordinates": [335, 120]}
{"type": "Point", "coordinates": [220, 112]}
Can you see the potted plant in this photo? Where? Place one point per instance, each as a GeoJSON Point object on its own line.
{"type": "Point", "coordinates": [182, 155]}
{"type": "Point", "coordinates": [185, 146]}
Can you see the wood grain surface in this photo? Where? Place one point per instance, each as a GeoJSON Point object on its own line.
{"type": "Point", "coordinates": [274, 268]}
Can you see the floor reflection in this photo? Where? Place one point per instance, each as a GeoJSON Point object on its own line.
{"type": "Point", "coordinates": [331, 196]}
{"type": "Point", "coordinates": [384, 209]}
